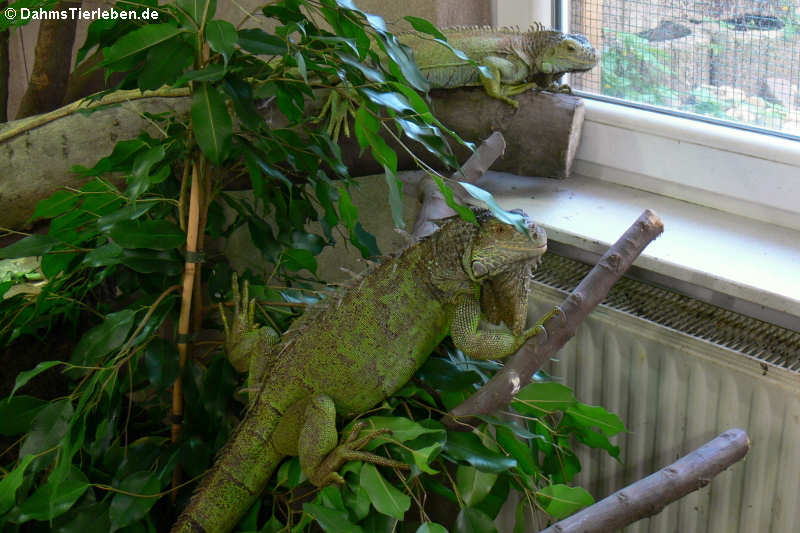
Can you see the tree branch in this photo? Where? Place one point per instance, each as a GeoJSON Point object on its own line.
{"type": "Point", "coordinates": [433, 203]}
{"type": "Point", "coordinates": [517, 373]}
{"type": "Point", "coordinates": [650, 495]}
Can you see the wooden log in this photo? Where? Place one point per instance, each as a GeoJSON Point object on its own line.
{"type": "Point", "coordinates": [36, 154]}
{"type": "Point", "coordinates": [542, 136]}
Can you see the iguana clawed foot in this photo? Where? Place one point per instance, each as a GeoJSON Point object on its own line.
{"type": "Point", "coordinates": [539, 329]}
{"type": "Point", "coordinates": [350, 450]}
{"type": "Point", "coordinates": [247, 345]}
{"type": "Point", "coordinates": [337, 110]}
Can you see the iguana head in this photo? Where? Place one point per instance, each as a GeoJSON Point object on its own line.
{"type": "Point", "coordinates": [499, 247]}
{"type": "Point", "coordinates": [502, 259]}
{"type": "Point", "coordinates": [566, 52]}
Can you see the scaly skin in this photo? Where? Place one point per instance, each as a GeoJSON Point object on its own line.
{"type": "Point", "coordinates": [342, 359]}
{"type": "Point", "coordinates": [518, 60]}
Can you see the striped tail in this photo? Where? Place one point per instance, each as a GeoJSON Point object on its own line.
{"type": "Point", "coordinates": [238, 477]}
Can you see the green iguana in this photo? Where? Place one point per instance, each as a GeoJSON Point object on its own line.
{"type": "Point", "coordinates": [518, 60]}
{"type": "Point", "coordinates": [359, 348]}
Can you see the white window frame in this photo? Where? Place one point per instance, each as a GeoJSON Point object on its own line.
{"type": "Point", "coordinates": [752, 174]}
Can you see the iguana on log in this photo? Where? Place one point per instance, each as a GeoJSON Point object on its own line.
{"type": "Point", "coordinates": [363, 345]}
{"type": "Point", "coordinates": [518, 60]}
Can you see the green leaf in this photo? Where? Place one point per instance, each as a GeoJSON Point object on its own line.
{"type": "Point", "coordinates": [26, 376]}
{"type": "Point", "coordinates": [33, 245]}
{"type": "Point", "coordinates": [595, 416]}
{"type": "Point", "coordinates": [48, 428]}
{"type": "Point", "coordinates": [468, 447]}
{"type": "Point", "coordinates": [260, 42]}
{"type": "Point", "coordinates": [515, 219]}
{"type": "Point", "coordinates": [471, 520]}
{"type": "Point", "coordinates": [539, 399]}
{"type": "Point", "coordinates": [463, 211]}
{"type": "Point", "coordinates": [431, 527]}
{"type": "Point", "coordinates": [391, 100]}
{"type": "Point", "coordinates": [146, 261]}
{"type": "Point", "coordinates": [140, 179]}
{"type": "Point", "coordinates": [560, 501]}
{"type": "Point", "coordinates": [297, 259]}
{"type": "Point", "coordinates": [104, 338]}
{"type": "Point", "coordinates": [11, 482]}
{"type": "Point", "coordinates": [222, 37]}
{"type": "Point", "coordinates": [54, 499]}
{"type": "Point", "coordinates": [16, 414]}
{"type": "Point", "coordinates": [129, 212]}
{"type": "Point", "coordinates": [386, 498]}
{"type": "Point", "coordinates": [126, 509]}
{"type": "Point", "coordinates": [58, 203]}
{"type": "Point", "coordinates": [131, 44]}
{"type": "Point", "coordinates": [301, 65]}
{"type": "Point", "coordinates": [407, 65]}
{"type": "Point", "coordinates": [165, 62]}
{"type": "Point", "coordinates": [84, 517]}
{"type": "Point", "coordinates": [161, 363]}
{"type": "Point", "coordinates": [152, 234]}
{"type": "Point", "coordinates": [402, 429]}
{"type": "Point", "coordinates": [110, 254]}
{"type": "Point", "coordinates": [200, 10]}
{"type": "Point", "coordinates": [212, 123]}
{"type": "Point", "coordinates": [357, 501]}
{"type": "Point", "coordinates": [518, 450]}
{"type": "Point", "coordinates": [331, 520]}
{"type": "Point", "coordinates": [213, 72]}
{"type": "Point", "coordinates": [473, 485]}
{"type": "Point", "coordinates": [424, 26]}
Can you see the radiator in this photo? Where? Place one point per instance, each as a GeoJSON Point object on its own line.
{"type": "Point", "coordinates": [679, 372]}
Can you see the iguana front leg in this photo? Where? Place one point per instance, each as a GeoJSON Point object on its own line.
{"type": "Point", "coordinates": [308, 429]}
{"type": "Point", "coordinates": [248, 346]}
{"type": "Point", "coordinates": [489, 344]}
{"type": "Point", "coordinates": [504, 69]}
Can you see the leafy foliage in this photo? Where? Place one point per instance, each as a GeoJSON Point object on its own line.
{"type": "Point", "coordinates": [113, 260]}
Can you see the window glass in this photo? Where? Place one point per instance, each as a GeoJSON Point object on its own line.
{"type": "Point", "coordinates": [731, 60]}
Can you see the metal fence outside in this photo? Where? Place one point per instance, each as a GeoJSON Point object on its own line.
{"type": "Point", "coordinates": [734, 60]}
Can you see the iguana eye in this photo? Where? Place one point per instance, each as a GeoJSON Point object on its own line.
{"type": "Point", "coordinates": [479, 269]}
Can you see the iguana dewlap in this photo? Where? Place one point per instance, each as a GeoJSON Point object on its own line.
{"type": "Point", "coordinates": [518, 60]}
{"type": "Point", "coordinates": [346, 356]}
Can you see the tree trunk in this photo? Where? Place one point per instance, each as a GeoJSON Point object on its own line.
{"type": "Point", "coordinates": [4, 70]}
{"type": "Point", "coordinates": [51, 65]}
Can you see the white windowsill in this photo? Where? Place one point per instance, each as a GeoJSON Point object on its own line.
{"type": "Point", "coordinates": [738, 259]}
{"type": "Point", "coordinates": [736, 171]}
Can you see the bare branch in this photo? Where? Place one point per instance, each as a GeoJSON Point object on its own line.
{"type": "Point", "coordinates": [517, 373]}
{"type": "Point", "coordinates": [433, 203]}
{"type": "Point", "coordinates": [650, 495]}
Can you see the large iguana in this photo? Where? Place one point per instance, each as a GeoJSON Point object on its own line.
{"type": "Point", "coordinates": [518, 60]}
{"type": "Point", "coordinates": [359, 348]}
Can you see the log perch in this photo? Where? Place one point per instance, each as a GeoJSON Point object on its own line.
{"type": "Point", "coordinates": [542, 136]}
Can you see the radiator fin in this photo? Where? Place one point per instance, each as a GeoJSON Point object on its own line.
{"type": "Point", "coordinates": [766, 342]}
{"type": "Point", "coordinates": [637, 357]}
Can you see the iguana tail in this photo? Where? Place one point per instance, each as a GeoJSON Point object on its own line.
{"type": "Point", "coordinates": [240, 474]}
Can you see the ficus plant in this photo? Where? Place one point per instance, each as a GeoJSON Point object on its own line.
{"type": "Point", "coordinates": [123, 271]}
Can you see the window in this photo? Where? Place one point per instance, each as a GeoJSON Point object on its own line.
{"type": "Point", "coordinates": [736, 61]}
